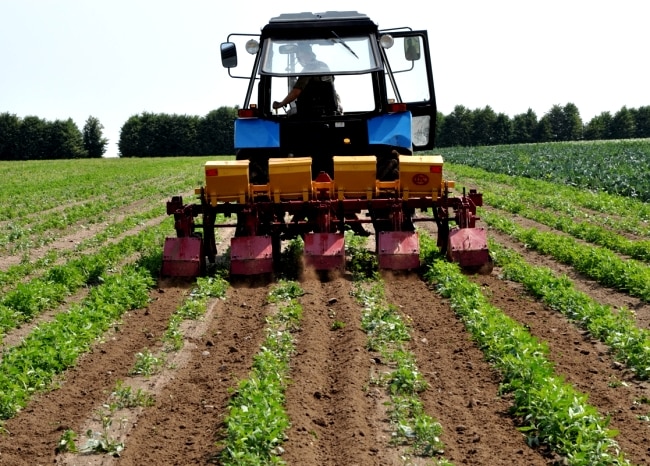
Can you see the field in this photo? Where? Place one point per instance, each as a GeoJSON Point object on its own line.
{"type": "Point", "coordinates": [545, 361]}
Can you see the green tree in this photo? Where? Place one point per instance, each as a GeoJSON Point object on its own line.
{"type": "Point", "coordinates": [483, 121]}
{"type": "Point", "coordinates": [64, 141]}
{"type": "Point", "coordinates": [217, 131]}
{"type": "Point", "coordinates": [502, 129]}
{"type": "Point", "coordinates": [93, 140]}
{"type": "Point", "coordinates": [544, 130]}
{"type": "Point", "coordinates": [33, 138]}
{"type": "Point", "coordinates": [440, 121]}
{"type": "Point", "coordinates": [642, 122]}
{"type": "Point", "coordinates": [557, 122]}
{"type": "Point", "coordinates": [622, 125]}
{"type": "Point", "coordinates": [139, 136]}
{"type": "Point", "coordinates": [572, 123]}
{"type": "Point", "coordinates": [9, 130]}
{"type": "Point", "coordinates": [599, 127]}
{"type": "Point", "coordinates": [524, 127]}
{"type": "Point", "coordinates": [457, 128]}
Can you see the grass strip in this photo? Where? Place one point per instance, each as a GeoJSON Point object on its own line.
{"type": "Point", "coordinates": [629, 343]}
{"type": "Point", "coordinates": [257, 419]}
{"type": "Point", "coordinates": [600, 264]}
{"type": "Point", "coordinates": [552, 412]}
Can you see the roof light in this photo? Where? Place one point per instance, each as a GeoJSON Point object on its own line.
{"type": "Point", "coordinates": [252, 46]}
{"type": "Point", "coordinates": [386, 41]}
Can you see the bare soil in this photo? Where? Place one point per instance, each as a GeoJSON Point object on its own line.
{"type": "Point", "coordinates": [337, 416]}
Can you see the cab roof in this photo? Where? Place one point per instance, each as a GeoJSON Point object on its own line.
{"type": "Point", "coordinates": [297, 24]}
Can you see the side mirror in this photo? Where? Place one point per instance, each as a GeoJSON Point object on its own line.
{"type": "Point", "coordinates": [412, 48]}
{"type": "Point", "coordinates": [228, 55]}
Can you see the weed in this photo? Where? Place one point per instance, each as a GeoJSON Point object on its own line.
{"type": "Point", "coordinates": [67, 442]}
{"type": "Point", "coordinates": [337, 325]}
{"type": "Point", "coordinates": [102, 442]}
{"type": "Point", "coordinates": [146, 364]}
{"type": "Point", "coordinates": [126, 398]}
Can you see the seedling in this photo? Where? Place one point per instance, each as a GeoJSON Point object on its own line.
{"type": "Point", "coordinates": [146, 364]}
{"type": "Point", "coordinates": [126, 398]}
{"type": "Point", "coordinates": [67, 442]}
{"type": "Point", "coordinates": [337, 325]}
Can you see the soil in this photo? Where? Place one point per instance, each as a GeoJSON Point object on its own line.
{"type": "Point", "coordinates": [337, 416]}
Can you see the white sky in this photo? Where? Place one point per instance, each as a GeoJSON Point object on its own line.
{"type": "Point", "coordinates": [116, 58]}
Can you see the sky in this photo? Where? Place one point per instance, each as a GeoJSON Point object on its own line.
{"type": "Point", "coordinates": [112, 59]}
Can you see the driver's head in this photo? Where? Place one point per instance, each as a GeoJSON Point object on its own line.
{"type": "Point", "coordinates": [305, 53]}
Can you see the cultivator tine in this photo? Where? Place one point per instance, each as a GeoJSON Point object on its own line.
{"type": "Point", "coordinates": [182, 257]}
{"type": "Point", "coordinates": [468, 247]}
{"type": "Point", "coordinates": [398, 250]}
{"type": "Point", "coordinates": [325, 251]}
{"type": "Point", "coordinates": [251, 255]}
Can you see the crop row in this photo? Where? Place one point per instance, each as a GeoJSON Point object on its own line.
{"type": "Point", "coordinates": [555, 413]}
{"type": "Point", "coordinates": [15, 273]}
{"type": "Point", "coordinates": [618, 330]}
{"type": "Point", "coordinates": [55, 346]}
{"type": "Point", "coordinates": [31, 298]}
{"type": "Point", "coordinates": [600, 264]}
{"type": "Point", "coordinates": [584, 230]}
{"type": "Point", "coordinates": [256, 420]}
{"type": "Point", "coordinates": [522, 194]}
{"type": "Point", "coordinates": [552, 412]}
{"type": "Point", "coordinates": [108, 438]}
{"type": "Point", "coordinates": [33, 187]}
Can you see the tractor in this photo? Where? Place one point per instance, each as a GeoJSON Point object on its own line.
{"type": "Point", "coordinates": [343, 152]}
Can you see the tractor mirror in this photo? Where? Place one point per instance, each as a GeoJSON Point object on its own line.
{"type": "Point", "coordinates": [412, 48]}
{"type": "Point", "coordinates": [228, 55]}
{"type": "Point", "coordinates": [288, 48]}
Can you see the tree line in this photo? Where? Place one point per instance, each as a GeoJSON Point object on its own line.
{"type": "Point", "coordinates": [484, 127]}
{"type": "Point", "coordinates": [163, 135]}
{"type": "Point", "coordinates": [34, 138]}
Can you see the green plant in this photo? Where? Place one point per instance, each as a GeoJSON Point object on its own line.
{"type": "Point", "coordinates": [256, 418]}
{"type": "Point", "coordinates": [67, 442]}
{"type": "Point", "coordinates": [618, 330]}
{"type": "Point", "coordinates": [125, 397]}
{"type": "Point", "coordinates": [362, 262]}
{"type": "Point", "coordinates": [553, 412]}
{"type": "Point", "coordinates": [337, 325]}
{"type": "Point", "coordinates": [146, 363]}
{"type": "Point", "coordinates": [387, 334]}
{"type": "Point", "coordinates": [102, 442]}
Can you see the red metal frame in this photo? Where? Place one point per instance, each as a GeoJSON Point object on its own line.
{"type": "Point", "coordinates": [321, 223]}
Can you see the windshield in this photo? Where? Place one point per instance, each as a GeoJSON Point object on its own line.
{"type": "Point", "coordinates": [349, 55]}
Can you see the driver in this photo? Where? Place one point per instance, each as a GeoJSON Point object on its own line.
{"type": "Point", "coordinates": [317, 90]}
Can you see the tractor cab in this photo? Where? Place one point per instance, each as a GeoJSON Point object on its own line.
{"type": "Point", "coordinates": [363, 91]}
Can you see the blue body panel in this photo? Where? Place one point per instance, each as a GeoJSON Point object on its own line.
{"type": "Point", "coordinates": [392, 130]}
{"type": "Point", "coordinates": [255, 133]}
